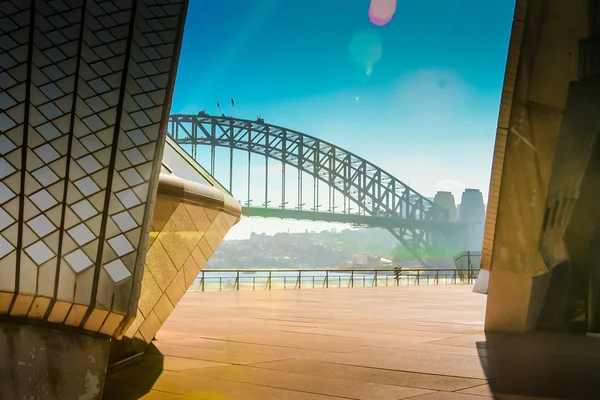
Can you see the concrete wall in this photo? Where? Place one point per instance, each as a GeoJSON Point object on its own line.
{"type": "Point", "coordinates": [43, 363]}
{"type": "Point", "coordinates": [543, 61]}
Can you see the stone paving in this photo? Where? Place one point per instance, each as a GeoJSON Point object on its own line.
{"type": "Point", "coordinates": [417, 342]}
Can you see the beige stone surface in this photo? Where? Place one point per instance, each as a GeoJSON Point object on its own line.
{"type": "Point", "coordinates": [177, 252]}
{"type": "Point", "coordinates": [417, 342]}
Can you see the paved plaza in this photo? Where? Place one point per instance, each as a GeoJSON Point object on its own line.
{"type": "Point", "coordinates": [417, 342]}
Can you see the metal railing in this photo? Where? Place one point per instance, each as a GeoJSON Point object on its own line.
{"type": "Point", "coordinates": [260, 279]}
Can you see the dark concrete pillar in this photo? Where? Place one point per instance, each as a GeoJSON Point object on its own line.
{"type": "Point", "coordinates": [42, 363]}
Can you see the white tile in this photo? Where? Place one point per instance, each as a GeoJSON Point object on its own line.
{"type": "Point", "coordinates": [87, 186]}
{"type": "Point", "coordinates": [5, 193]}
{"type": "Point", "coordinates": [48, 131]}
{"type": "Point", "coordinates": [51, 91]}
{"type": "Point", "coordinates": [47, 153]}
{"type": "Point", "coordinates": [124, 221]}
{"type": "Point", "coordinates": [45, 176]}
{"type": "Point", "coordinates": [89, 164]}
{"type": "Point", "coordinates": [5, 247]}
{"type": "Point", "coordinates": [101, 68]}
{"type": "Point", "coordinates": [146, 84]}
{"type": "Point", "coordinates": [137, 137]}
{"type": "Point", "coordinates": [43, 200]}
{"type": "Point", "coordinates": [54, 54]}
{"type": "Point", "coordinates": [91, 142]}
{"type": "Point", "coordinates": [57, 38]}
{"type": "Point", "coordinates": [6, 122]}
{"type": "Point", "coordinates": [134, 156]}
{"type": "Point", "coordinates": [41, 225]}
{"type": "Point", "coordinates": [149, 68]}
{"type": "Point", "coordinates": [144, 101]}
{"type": "Point", "coordinates": [78, 261]}
{"type": "Point", "coordinates": [6, 145]}
{"type": "Point", "coordinates": [5, 168]}
{"type": "Point", "coordinates": [6, 219]}
{"type": "Point", "coordinates": [81, 234]}
{"type": "Point", "coordinates": [94, 123]}
{"type": "Point", "coordinates": [50, 110]}
{"type": "Point", "coordinates": [120, 245]}
{"type": "Point", "coordinates": [128, 198]}
{"type": "Point", "coordinates": [140, 118]}
{"type": "Point", "coordinates": [53, 72]}
{"type": "Point", "coordinates": [132, 177]}
{"type": "Point", "coordinates": [108, 7]}
{"type": "Point", "coordinates": [84, 209]}
{"type": "Point", "coordinates": [99, 86]}
{"type": "Point", "coordinates": [105, 36]}
{"type": "Point", "coordinates": [39, 252]}
{"type": "Point", "coordinates": [96, 103]}
{"type": "Point", "coordinates": [6, 81]}
{"type": "Point", "coordinates": [6, 101]}
{"type": "Point", "coordinates": [117, 271]}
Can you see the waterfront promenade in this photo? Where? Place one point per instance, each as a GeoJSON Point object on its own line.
{"type": "Point", "coordinates": [417, 342]}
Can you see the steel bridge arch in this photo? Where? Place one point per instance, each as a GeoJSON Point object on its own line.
{"type": "Point", "coordinates": [371, 188]}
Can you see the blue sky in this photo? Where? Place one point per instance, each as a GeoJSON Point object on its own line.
{"type": "Point", "coordinates": [419, 96]}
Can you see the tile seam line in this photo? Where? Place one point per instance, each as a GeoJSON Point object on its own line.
{"type": "Point", "coordinates": [483, 381]}
{"type": "Point", "coordinates": [262, 354]}
{"type": "Point", "coordinates": [111, 170]}
{"type": "Point", "coordinates": [257, 366]}
{"type": "Point", "coordinates": [403, 370]}
{"type": "Point", "coordinates": [194, 397]}
{"type": "Point", "coordinates": [285, 347]}
{"type": "Point", "coordinates": [183, 372]}
{"type": "Point", "coordinates": [432, 341]}
{"type": "Point", "coordinates": [140, 260]}
{"type": "Point", "coordinates": [28, 80]}
{"type": "Point", "coordinates": [68, 166]}
{"type": "Point", "coordinates": [223, 362]}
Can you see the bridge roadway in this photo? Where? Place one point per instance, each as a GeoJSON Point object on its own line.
{"type": "Point", "coordinates": [417, 342]}
{"type": "Point", "coordinates": [386, 222]}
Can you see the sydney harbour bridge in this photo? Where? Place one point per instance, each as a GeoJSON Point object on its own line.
{"type": "Point", "coordinates": [353, 190]}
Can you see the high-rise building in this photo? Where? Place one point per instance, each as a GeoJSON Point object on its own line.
{"type": "Point", "coordinates": [472, 214]}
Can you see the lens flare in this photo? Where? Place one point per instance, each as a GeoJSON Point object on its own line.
{"type": "Point", "coordinates": [366, 49]}
{"type": "Point", "coordinates": [381, 11]}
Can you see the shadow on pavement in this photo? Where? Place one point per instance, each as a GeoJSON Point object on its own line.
{"type": "Point", "coordinates": [541, 365]}
{"type": "Point", "coordinates": [133, 379]}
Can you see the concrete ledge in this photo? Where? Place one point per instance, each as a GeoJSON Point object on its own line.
{"type": "Point", "coordinates": [179, 189]}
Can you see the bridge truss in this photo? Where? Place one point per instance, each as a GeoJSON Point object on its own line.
{"type": "Point", "coordinates": [413, 218]}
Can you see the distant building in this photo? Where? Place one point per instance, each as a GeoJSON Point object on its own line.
{"type": "Point", "coordinates": [446, 200]}
{"type": "Point", "coordinates": [472, 213]}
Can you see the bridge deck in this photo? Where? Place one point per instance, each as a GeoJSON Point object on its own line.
{"type": "Point", "coordinates": [363, 343]}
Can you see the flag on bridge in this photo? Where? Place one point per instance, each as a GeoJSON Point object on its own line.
{"type": "Point", "coordinates": [232, 102]}
{"type": "Point", "coordinates": [218, 105]}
